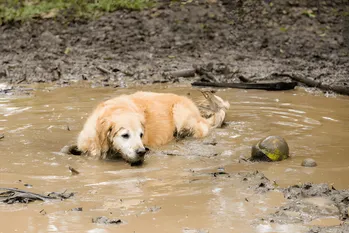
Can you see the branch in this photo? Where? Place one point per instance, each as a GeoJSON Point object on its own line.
{"type": "Point", "coordinates": [277, 86]}
{"type": "Point", "coordinates": [312, 83]}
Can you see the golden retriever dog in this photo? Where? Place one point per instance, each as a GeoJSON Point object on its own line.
{"type": "Point", "coordinates": [125, 125]}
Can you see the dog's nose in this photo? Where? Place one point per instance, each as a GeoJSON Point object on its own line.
{"type": "Point", "coordinates": [141, 151]}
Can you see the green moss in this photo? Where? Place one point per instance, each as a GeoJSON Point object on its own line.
{"type": "Point", "coordinates": [283, 29]}
{"type": "Point", "coordinates": [20, 10]}
{"type": "Point", "coordinates": [112, 5]}
{"type": "Point", "coordinates": [275, 156]}
{"type": "Point", "coordinates": [309, 13]}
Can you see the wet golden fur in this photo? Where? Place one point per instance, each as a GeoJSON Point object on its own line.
{"type": "Point", "coordinates": [156, 116]}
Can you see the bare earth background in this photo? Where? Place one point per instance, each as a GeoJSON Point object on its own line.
{"type": "Point", "coordinates": [234, 39]}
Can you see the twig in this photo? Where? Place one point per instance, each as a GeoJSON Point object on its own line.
{"type": "Point", "coordinates": [202, 72]}
{"type": "Point", "coordinates": [182, 73]}
{"type": "Point", "coordinates": [74, 171]}
{"type": "Point", "coordinates": [277, 86]}
{"type": "Point", "coordinates": [312, 83]}
{"type": "Point", "coordinates": [104, 70]}
{"type": "Point", "coordinates": [306, 81]}
{"type": "Point", "coordinates": [244, 79]}
{"type": "Point", "coordinates": [43, 212]}
{"type": "Point", "coordinates": [13, 195]}
{"type": "Point", "coordinates": [22, 80]}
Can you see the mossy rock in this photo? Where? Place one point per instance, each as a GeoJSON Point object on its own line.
{"type": "Point", "coordinates": [271, 148]}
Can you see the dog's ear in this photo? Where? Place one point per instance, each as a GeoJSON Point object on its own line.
{"type": "Point", "coordinates": [104, 128]}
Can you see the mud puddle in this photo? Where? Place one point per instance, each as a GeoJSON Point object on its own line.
{"type": "Point", "coordinates": [176, 189]}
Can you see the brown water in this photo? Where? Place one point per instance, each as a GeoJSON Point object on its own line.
{"type": "Point", "coordinates": [168, 193]}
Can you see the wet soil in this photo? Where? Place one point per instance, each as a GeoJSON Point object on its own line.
{"type": "Point", "coordinates": [235, 40]}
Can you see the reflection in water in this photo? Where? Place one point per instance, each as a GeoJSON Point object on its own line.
{"type": "Point", "coordinates": [176, 177]}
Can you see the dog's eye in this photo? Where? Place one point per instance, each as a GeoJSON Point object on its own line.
{"type": "Point", "coordinates": [126, 135]}
{"type": "Point", "coordinates": [141, 135]}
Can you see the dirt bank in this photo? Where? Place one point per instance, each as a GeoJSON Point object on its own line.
{"type": "Point", "coordinates": [257, 40]}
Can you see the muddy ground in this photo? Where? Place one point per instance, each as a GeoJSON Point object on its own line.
{"type": "Point", "coordinates": [307, 202]}
{"type": "Point", "coordinates": [256, 40]}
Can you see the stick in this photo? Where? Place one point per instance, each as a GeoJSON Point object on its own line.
{"type": "Point", "coordinates": [13, 195]}
{"type": "Point", "coordinates": [182, 73]}
{"type": "Point", "coordinates": [27, 194]}
{"type": "Point", "coordinates": [277, 86]}
{"type": "Point", "coordinates": [73, 171]}
{"type": "Point", "coordinates": [104, 70]}
{"type": "Point", "coordinates": [244, 79]}
{"type": "Point", "coordinates": [312, 83]}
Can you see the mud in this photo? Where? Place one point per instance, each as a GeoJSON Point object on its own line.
{"type": "Point", "coordinates": [258, 182]}
{"type": "Point", "coordinates": [234, 40]}
{"type": "Point", "coordinates": [307, 202]}
{"type": "Point", "coordinates": [337, 229]}
{"type": "Point", "coordinates": [311, 202]}
{"type": "Point", "coordinates": [189, 185]}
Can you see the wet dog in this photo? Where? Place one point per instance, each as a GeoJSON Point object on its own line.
{"type": "Point", "coordinates": [125, 125]}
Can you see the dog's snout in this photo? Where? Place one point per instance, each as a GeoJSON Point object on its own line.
{"type": "Point", "coordinates": [141, 151]}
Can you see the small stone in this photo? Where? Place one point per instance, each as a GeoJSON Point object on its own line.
{"type": "Point", "coordinates": [154, 209]}
{"type": "Point", "coordinates": [309, 163]}
{"type": "Point", "coordinates": [105, 220]}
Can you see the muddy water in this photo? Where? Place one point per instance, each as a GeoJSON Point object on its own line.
{"type": "Point", "coordinates": [174, 190]}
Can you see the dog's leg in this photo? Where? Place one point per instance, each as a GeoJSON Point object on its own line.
{"type": "Point", "coordinates": [217, 119]}
{"type": "Point", "coordinates": [93, 140]}
{"type": "Point", "coordinates": [218, 106]}
{"type": "Point", "coordinates": [89, 146]}
{"type": "Point", "coordinates": [187, 118]}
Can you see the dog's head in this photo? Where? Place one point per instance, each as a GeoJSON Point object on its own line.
{"type": "Point", "coordinates": [123, 133]}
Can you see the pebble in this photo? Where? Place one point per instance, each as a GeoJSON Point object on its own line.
{"type": "Point", "coordinates": [309, 163]}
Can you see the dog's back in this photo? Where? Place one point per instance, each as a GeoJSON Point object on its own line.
{"type": "Point", "coordinates": [160, 125]}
